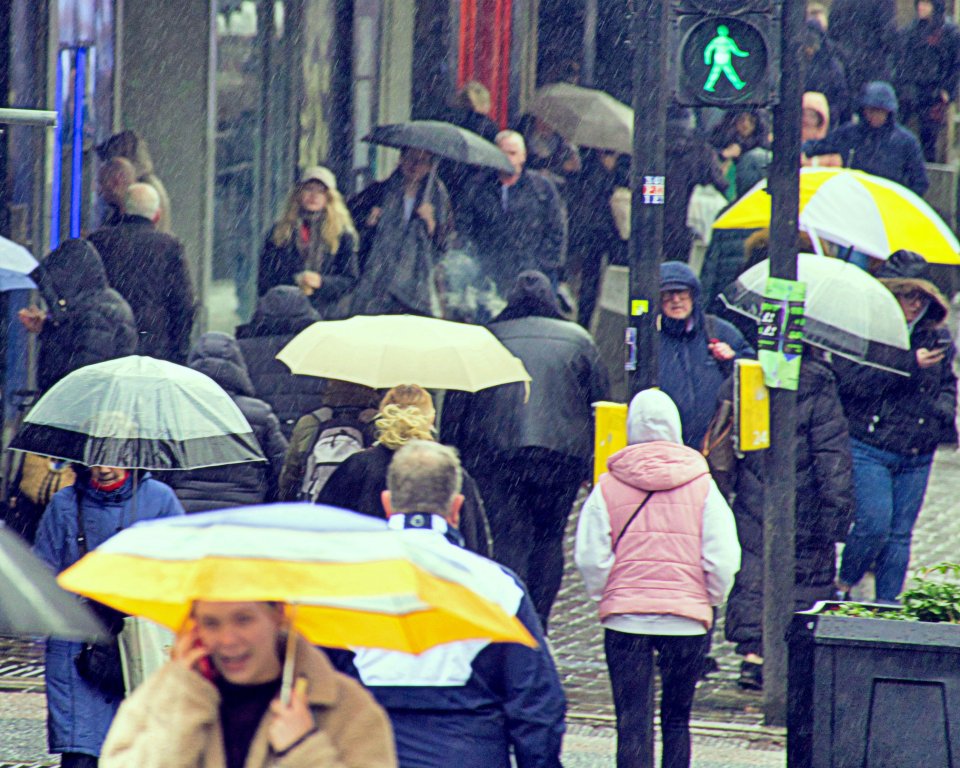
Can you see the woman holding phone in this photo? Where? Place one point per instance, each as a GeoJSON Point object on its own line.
{"type": "Point", "coordinates": [896, 424]}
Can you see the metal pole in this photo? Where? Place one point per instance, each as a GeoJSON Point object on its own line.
{"type": "Point", "coordinates": [589, 67]}
{"type": "Point", "coordinates": [649, 39]}
{"type": "Point", "coordinates": [11, 116]}
{"type": "Point", "coordinates": [780, 468]}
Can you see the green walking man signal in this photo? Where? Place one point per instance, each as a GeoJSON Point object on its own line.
{"type": "Point", "coordinates": [718, 55]}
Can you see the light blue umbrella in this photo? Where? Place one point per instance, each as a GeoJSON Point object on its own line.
{"type": "Point", "coordinates": [15, 264]}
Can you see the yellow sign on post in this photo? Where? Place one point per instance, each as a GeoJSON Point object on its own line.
{"type": "Point", "coordinates": [610, 433]}
{"type": "Point", "coordinates": [751, 404]}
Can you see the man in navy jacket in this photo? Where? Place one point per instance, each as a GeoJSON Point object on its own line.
{"type": "Point", "coordinates": [878, 144]}
{"type": "Point", "coordinates": [696, 351]}
{"type": "Point", "coordinates": [463, 703]}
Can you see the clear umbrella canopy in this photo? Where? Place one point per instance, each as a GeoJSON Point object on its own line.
{"type": "Point", "coordinates": [139, 413]}
{"type": "Point", "coordinates": [848, 311]}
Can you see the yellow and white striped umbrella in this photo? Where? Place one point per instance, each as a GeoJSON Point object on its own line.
{"type": "Point", "coordinates": [352, 581]}
{"type": "Point", "coordinates": [854, 209]}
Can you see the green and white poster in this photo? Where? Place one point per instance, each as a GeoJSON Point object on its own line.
{"type": "Point", "coordinates": [780, 332]}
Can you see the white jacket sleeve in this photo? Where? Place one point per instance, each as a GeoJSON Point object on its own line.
{"type": "Point", "coordinates": [720, 554]}
{"type": "Point", "coordinates": [593, 550]}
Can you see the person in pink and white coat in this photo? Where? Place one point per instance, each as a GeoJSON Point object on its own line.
{"type": "Point", "coordinates": [657, 548]}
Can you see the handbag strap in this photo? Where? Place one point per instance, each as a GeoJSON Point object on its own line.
{"type": "Point", "coordinates": [81, 528]}
{"type": "Point", "coordinates": [632, 518]}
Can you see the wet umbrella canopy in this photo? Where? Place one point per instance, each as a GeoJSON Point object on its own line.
{"type": "Point", "coordinates": [586, 116]}
{"type": "Point", "coordinates": [848, 311]}
{"type": "Point", "coordinates": [32, 602]}
{"type": "Point", "coordinates": [138, 413]}
{"type": "Point", "coordinates": [441, 139]}
{"type": "Point", "coordinates": [352, 582]}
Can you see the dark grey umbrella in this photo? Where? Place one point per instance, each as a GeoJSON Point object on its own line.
{"type": "Point", "coordinates": [442, 139]}
{"type": "Point", "coordinates": [32, 603]}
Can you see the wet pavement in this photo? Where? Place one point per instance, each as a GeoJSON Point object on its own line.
{"type": "Point", "coordinates": [727, 722]}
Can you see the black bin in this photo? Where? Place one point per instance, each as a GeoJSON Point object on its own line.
{"type": "Point", "coordinates": [872, 693]}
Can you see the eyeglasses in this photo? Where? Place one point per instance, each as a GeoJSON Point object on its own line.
{"type": "Point", "coordinates": [674, 295]}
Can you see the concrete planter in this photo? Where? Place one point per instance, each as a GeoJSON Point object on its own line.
{"type": "Point", "coordinates": [872, 693]}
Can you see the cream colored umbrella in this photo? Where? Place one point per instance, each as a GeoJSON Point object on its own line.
{"type": "Point", "coordinates": [382, 351]}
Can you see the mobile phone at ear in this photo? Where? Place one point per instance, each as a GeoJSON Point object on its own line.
{"type": "Point", "coordinates": [205, 666]}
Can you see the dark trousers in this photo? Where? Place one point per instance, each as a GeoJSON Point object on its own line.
{"type": "Point", "coordinates": [77, 760]}
{"type": "Point", "coordinates": [630, 662]}
{"type": "Point", "coordinates": [528, 500]}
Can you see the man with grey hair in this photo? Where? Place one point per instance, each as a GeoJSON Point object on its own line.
{"type": "Point", "coordinates": [463, 703]}
{"type": "Point", "coordinates": [516, 221]}
{"type": "Point", "coordinates": [149, 270]}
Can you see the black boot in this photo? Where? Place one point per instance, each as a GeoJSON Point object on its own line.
{"type": "Point", "coordinates": [751, 676]}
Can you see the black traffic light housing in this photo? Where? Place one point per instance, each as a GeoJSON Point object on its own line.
{"type": "Point", "coordinates": [725, 53]}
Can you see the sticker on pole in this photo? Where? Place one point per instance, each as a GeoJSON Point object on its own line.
{"type": "Point", "coordinates": [630, 350]}
{"type": "Point", "coordinates": [780, 332]}
{"type": "Point", "coordinates": [653, 190]}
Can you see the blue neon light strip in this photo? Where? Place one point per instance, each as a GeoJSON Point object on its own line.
{"type": "Point", "coordinates": [76, 167]}
{"type": "Point", "coordinates": [57, 157]}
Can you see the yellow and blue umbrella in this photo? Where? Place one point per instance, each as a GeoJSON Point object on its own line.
{"type": "Point", "coordinates": [854, 209]}
{"type": "Point", "coordinates": [351, 581]}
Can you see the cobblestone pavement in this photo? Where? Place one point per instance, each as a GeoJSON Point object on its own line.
{"type": "Point", "coordinates": [727, 727]}
{"type": "Point", "coordinates": [578, 641]}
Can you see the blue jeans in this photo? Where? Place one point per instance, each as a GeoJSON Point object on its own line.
{"type": "Point", "coordinates": [889, 489]}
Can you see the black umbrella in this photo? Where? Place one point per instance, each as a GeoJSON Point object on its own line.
{"type": "Point", "coordinates": [442, 139]}
{"type": "Point", "coordinates": [33, 603]}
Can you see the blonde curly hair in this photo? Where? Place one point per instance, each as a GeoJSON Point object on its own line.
{"type": "Point", "coordinates": [406, 413]}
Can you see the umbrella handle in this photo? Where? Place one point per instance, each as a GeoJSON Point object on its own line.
{"type": "Point", "coordinates": [431, 180]}
{"type": "Point", "coordinates": [286, 684]}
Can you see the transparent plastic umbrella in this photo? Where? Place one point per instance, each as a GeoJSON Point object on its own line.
{"type": "Point", "coordinates": [138, 413]}
{"type": "Point", "coordinates": [847, 310]}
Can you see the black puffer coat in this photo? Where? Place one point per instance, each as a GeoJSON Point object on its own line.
{"type": "Point", "coordinates": [907, 415]}
{"type": "Point", "coordinates": [359, 481]}
{"type": "Point", "coordinates": [824, 508]}
{"type": "Point", "coordinates": [89, 321]}
{"type": "Point", "coordinates": [281, 314]}
{"type": "Point", "coordinates": [280, 265]}
{"type": "Point", "coordinates": [200, 490]}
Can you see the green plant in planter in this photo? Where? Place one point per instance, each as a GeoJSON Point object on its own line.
{"type": "Point", "coordinates": [934, 596]}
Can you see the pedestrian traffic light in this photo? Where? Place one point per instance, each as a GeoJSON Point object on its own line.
{"type": "Point", "coordinates": [725, 53]}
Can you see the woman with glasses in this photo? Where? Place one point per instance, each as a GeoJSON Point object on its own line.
{"type": "Point", "coordinates": [896, 424]}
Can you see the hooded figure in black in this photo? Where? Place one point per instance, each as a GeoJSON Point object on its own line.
{"type": "Point", "coordinates": [927, 70]}
{"type": "Point", "coordinates": [825, 72]}
{"type": "Point", "coordinates": [88, 322]}
{"type": "Point", "coordinates": [824, 504]}
{"type": "Point", "coordinates": [282, 312]}
{"type": "Point", "coordinates": [864, 34]}
{"type": "Point", "coordinates": [530, 454]}
{"type": "Point", "coordinates": [878, 144]}
{"type": "Point", "coordinates": [200, 490]}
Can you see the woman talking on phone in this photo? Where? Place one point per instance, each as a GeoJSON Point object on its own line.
{"type": "Point", "coordinates": [896, 424]}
